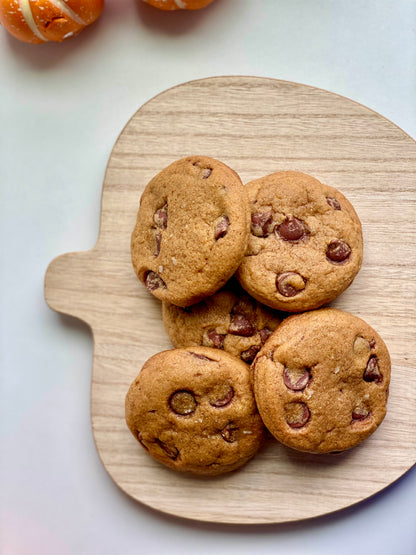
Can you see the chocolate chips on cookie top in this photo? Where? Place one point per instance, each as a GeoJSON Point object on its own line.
{"type": "Point", "coordinates": [321, 382]}
{"type": "Point", "coordinates": [229, 320]}
{"type": "Point", "coordinates": [192, 230]}
{"type": "Point", "coordinates": [305, 246]}
{"type": "Point", "coordinates": [193, 410]}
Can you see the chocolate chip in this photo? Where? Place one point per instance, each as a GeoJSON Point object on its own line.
{"type": "Point", "coordinates": [224, 400]}
{"type": "Point", "coordinates": [221, 227]}
{"type": "Point", "coordinates": [201, 357]}
{"type": "Point", "coordinates": [292, 229]}
{"type": "Point", "coordinates": [158, 242]}
{"type": "Point", "coordinates": [265, 333]}
{"type": "Point", "coordinates": [290, 284]}
{"type": "Point", "coordinates": [360, 413]}
{"type": "Point", "coordinates": [372, 343]}
{"type": "Point", "coordinates": [333, 203]}
{"type": "Point", "coordinates": [182, 402]}
{"type": "Point", "coordinates": [228, 433]}
{"type": "Point", "coordinates": [171, 452]}
{"type": "Point", "coordinates": [296, 380]}
{"type": "Point", "coordinates": [297, 414]}
{"type": "Point", "coordinates": [338, 251]}
{"type": "Point", "coordinates": [140, 439]}
{"type": "Point", "coordinates": [240, 325]}
{"type": "Point", "coordinates": [213, 339]}
{"type": "Point", "coordinates": [206, 172]}
{"type": "Point", "coordinates": [245, 306]}
{"type": "Point", "coordinates": [153, 281]}
{"type": "Point", "coordinates": [262, 223]}
{"type": "Point", "coordinates": [160, 217]}
{"type": "Point", "coordinates": [372, 371]}
{"type": "Point", "coordinates": [250, 354]}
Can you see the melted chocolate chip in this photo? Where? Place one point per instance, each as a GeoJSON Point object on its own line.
{"type": "Point", "coordinates": [290, 284]}
{"type": "Point", "coordinates": [228, 433]}
{"type": "Point", "coordinates": [158, 242]}
{"type": "Point", "coordinates": [338, 251]}
{"type": "Point", "coordinates": [372, 371]}
{"type": "Point", "coordinates": [265, 333]}
{"type": "Point", "coordinates": [214, 339]}
{"type": "Point", "coordinates": [153, 281]}
{"type": "Point", "coordinates": [296, 380]}
{"type": "Point", "coordinates": [171, 451]}
{"type": "Point", "coordinates": [250, 354]}
{"type": "Point", "coordinates": [262, 223]}
{"type": "Point", "coordinates": [182, 402]}
{"type": "Point", "coordinates": [333, 203]}
{"type": "Point", "coordinates": [297, 414]}
{"type": "Point", "coordinates": [240, 325]}
{"type": "Point", "coordinates": [292, 229]}
{"type": "Point", "coordinates": [360, 413]}
{"type": "Point", "coordinates": [160, 217]}
{"type": "Point", "coordinates": [224, 400]}
{"type": "Point", "coordinates": [140, 439]}
{"type": "Point", "coordinates": [221, 227]}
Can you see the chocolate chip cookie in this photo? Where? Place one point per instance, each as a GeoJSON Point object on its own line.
{"type": "Point", "coordinates": [230, 320]}
{"type": "Point", "coordinates": [193, 410]}
{"type": "Point", "coordinates": [305, 246]}
{"type": "Point", "coordinates": [321, 381]}
{"type": "Point", "coordinates": [192, 230]}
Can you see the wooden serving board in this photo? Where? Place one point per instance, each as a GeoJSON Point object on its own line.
{"type": "Point", "coordinates": [257, 126]}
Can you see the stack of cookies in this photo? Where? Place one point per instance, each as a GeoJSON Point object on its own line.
{"type": "Point", "coordinates": [230, 263]}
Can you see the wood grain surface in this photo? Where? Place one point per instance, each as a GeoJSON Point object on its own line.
{"type": "Point", "coordinates": [257, 126]}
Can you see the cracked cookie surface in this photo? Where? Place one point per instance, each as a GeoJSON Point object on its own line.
{"type": "Point", "coordinates": [230, 320]}
{"type": "Point", "coordinates": [193, 410]}
{"type": "Point", "coordinates": [192, 230]}
{"type": "Point", "coordinates": [305, 246]}
{"type": "Point", "coordinates": [321, 381]}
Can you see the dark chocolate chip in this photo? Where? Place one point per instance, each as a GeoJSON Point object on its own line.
{"type": "Point", "coordinates": [338, 251]}
{"type": "Point", "coordinates": [206, 172]}
{"type": "Point", "coordinates": [372, 371]}
{"type": "Point", "coordinates": [183, 402]}
{"type": "Point", "coordinates": [228, 433]}
{"type": "Point", "coordinates": [333, 203]}
{"type": "Point", "coordinates": [221, 227]}
{"type": "Point", "coordinates": [201, 357]}
{"type": "Point", "coordinates": [250, 354]}
{"type": "Point", "coordinates": [153, 281]}
{"type": "Point", "coordinates": [262, 223]}
{"type": "Point", "coordinates": [240, 325]}
{"type": "Point", "coordinates": [171, 452]}
{"type": "Point", "coordinates": [290, 284]}
{"type": "Point", "coordinates": [292, 229]}
{"type": "Point", "coordinates": [296, 380]}
{"type": "Point", "coordinates": [224, 400]}
{"type": "Point", "coordinates": [297, 414]}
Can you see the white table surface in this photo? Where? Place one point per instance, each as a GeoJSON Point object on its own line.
{"type": "Point", "coordinates": [61, 110]}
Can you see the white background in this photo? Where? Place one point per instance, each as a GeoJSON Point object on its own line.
{"type": "Point", "coordinates": [61, 110]}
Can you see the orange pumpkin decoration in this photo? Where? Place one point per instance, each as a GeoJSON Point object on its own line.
{"type": "Point", "coordinates": [170, 5]}
{"type": "Point", "coordinates": [38, 21]}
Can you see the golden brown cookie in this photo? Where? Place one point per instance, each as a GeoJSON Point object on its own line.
{"type": "Point", "coordinates": [321, 381]}
{"type": "Point", "coordinates": [192, 230]}
{"type": "Point", "coordinates": [305, 246]}
{"type": "Point", "coordinates": [194, 411]}
{"type": "Point", "coordinates": [230, 320]}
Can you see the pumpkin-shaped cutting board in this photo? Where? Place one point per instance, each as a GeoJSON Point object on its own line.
{"type": "Point", "coordinates": [257, 126]}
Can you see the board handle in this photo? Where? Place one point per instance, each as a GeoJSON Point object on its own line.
{"type": "Point", "coordinates": [71, 283]}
